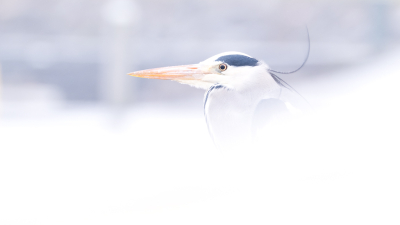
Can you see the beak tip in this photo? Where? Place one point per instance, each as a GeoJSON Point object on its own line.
{"type": "Point", "coordinates": [131, 74]}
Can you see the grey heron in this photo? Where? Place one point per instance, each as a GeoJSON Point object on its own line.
{"type": "Point", "coordinates": [235, 84]}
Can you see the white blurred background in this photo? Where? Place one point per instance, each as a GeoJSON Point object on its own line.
{"type": "Point", "coordinates": [83, 143]}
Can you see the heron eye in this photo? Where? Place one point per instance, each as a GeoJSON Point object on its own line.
{"type": "Point", "coordinates": [223, 67]}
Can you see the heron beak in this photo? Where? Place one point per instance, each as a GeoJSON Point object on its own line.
{"type": "Point", "coordinates": [187, 72]}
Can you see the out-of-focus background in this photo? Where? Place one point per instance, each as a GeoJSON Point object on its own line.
{"type": "Point", "coordinates": [81, 142]}
{"type": "Point", "coordinates": [62, 52]}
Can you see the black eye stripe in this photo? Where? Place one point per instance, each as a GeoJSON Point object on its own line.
{"type": "Point", "coordinates": [238, 60]}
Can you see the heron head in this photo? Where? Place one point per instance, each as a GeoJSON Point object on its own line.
{"type": "Point", "coordinates": [228, 68]}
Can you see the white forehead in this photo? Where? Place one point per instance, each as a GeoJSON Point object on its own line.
{"type": "Point", "coordinates": [215, 57]}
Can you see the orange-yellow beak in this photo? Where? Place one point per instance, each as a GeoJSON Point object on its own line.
{"type": "Point", "coordinates": [187, 72]}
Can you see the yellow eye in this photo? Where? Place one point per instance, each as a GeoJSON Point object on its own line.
{"type": "Point", "coordinates": [223, 67]}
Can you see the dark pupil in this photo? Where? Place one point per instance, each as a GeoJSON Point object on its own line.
{"type": "Point", "coordinates": [222, 67]}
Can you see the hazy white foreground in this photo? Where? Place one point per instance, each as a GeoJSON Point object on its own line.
{"type": "Point", "coordinates": [155, 164]}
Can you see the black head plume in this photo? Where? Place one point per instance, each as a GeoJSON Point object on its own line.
{"type": "Point", "coordinates": [308, 53]}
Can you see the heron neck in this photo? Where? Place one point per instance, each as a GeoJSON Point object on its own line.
{"type": "Point", "coordinates": [229, 117]}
